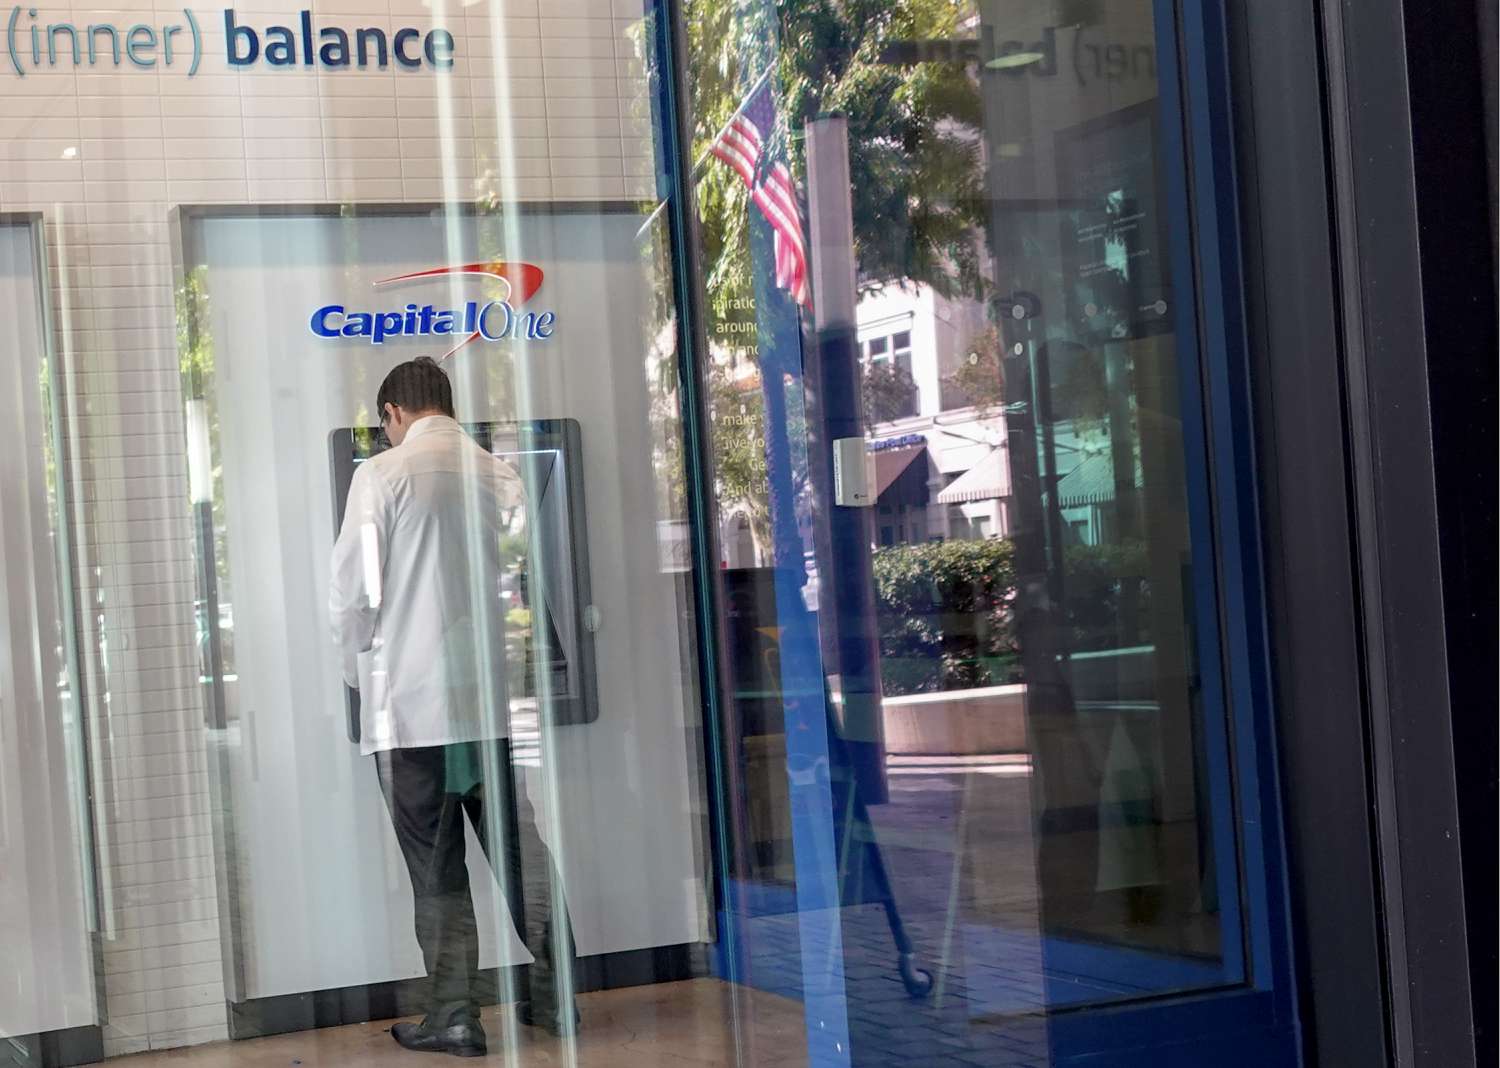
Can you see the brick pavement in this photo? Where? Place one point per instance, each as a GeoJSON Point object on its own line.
{"type": "Point", "coordinates": [956, 838]}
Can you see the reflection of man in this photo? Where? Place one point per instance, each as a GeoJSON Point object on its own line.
{"type": "Point", "coordinates": [416, 612]}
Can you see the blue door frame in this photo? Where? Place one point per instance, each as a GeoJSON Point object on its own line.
{"type": "Point", "coordinates": [1253, 1022]}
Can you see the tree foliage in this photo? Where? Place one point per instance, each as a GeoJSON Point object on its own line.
{"type": "Point", "coordinates": [945, 615]}
{"type": "Point", "coordinates": [890, 393]}
{"type": "Point", "coordinates": [980, 378]}
{"type": "Point", "coordinates": [913, 130]}
{"type": "Point", "coordinates": [195, 363]}
{"type": "Point", "coordinates": [739, 440]}
{"type": "Point", "coordinates": [946, 610]}
{"type": "Point", "coordinates": [1107, 595]}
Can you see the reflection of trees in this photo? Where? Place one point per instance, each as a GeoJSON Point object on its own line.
{"type": "Point", "coordinates": [195, 356]}
{"type": "Point", "coordinates": [740, 450]}
{"type": "Point", "coordinates": [945, 614]}
{"type": "Point", "coordinates": [946, 609]}
{"type": "Point", "coordinates": [915, 165]}
{"type": "Point", "coordinates": [737, 414]}
{"type": "Point", "coordinates": [195, 344]}
{"type": "Point", "coordinates": [890, 393]}
{"type": "Point", "coordinates": [1100, 579]}
{"type": "Point", "coordinates": [913, 141]}
{"type": "Point", "coordinates": [1084, 393]}
{"type": "Point", "coordinates": [980, 379]}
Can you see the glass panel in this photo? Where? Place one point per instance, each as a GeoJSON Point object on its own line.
{"type": "Point", "coordinates": [488, 591]}
{"type": "Point", "coordinates": [350, 702]}
{"type": "Point", "coordinates": [1026, 804]}
{"type": "Point", "coordinates": [47, 871]}
{"type": "Point", "coordinates": [480, 575]}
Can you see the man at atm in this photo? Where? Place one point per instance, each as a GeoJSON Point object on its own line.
{"type": "Point", "coordinates": [418, 618]}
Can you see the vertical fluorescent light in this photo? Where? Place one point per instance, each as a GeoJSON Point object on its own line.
{"type": "Point", "coordinates": [200, 456]}
{"type": "Point", "coordinates": [455, 221]}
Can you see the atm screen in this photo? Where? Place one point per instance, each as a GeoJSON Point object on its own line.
{"type": "Point", "coordinates": [551, 666]}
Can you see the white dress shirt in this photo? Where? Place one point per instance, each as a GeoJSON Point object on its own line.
{"type": "Point", "coordinates": [414, 598]}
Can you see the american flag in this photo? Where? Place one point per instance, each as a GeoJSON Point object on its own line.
{"type": "Point", "coordinates": [771, 188]}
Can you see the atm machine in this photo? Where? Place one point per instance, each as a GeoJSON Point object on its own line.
{"type": "Point", "coordinates": [551, 579]}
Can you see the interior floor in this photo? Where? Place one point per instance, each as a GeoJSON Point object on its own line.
{"type": "Point", "coordinates": [696, 1022]}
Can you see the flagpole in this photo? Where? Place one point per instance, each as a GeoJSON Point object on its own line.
{"type": "Point", "coordinates": [696, 174]}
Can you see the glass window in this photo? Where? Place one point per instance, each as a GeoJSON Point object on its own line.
{"type": "Point", "coordinates": [514, 547]}
{"type": "Point", "coordinates": [351, 669]}
{"type": "Point", "coordinates": [890, 390]}
{"type": "Point", "coordinates": [1027, 805]}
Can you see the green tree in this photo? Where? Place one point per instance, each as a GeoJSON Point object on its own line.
{"type": "Point", "coordinates": [914, 157]}
{"type": "Point", "coordinates": [737, 414]}
{"type": "Point", "coordinates": [740, 449]}
{"type": "Point", "coordinates": [195, 356]}
{"type": "Point", "coordinates": [980, 378]}
{"type": "Point", "coordinates": [195, 361]}
{"type": "Point", "coordinates": [913, 129]}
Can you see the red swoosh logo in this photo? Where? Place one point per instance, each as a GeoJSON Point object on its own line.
{"type": "Point", "coordinates": [522, 280]}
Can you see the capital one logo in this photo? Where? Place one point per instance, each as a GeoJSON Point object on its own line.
{"type": "Point", "coordinates": [495, 320]}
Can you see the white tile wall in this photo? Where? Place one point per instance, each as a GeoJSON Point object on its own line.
{"type": "Point", "coordinates": [105, 154]}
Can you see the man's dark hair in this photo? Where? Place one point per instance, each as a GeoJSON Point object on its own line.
{"type": "Point", "coordinates": [417, 386]}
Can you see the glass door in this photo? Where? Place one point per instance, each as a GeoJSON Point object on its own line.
{"type": "Point", "coordinates": [988, 755]}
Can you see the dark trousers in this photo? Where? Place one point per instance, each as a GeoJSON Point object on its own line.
{"type": "Point", "coordinates": [428, 792]}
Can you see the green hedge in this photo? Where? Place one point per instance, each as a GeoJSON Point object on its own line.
{"type": "Point", "coordinates": [946, 610]}
{"type": "Point", "coordinates": [1107, 596]}
{"type": "Point", "coordinates": [945, 615]}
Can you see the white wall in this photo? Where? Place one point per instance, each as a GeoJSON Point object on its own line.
{"type": "Point", "coordinates": [550, 97]}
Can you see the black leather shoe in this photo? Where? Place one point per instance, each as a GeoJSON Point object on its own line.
{"type": "Point", "coordinates": [551, 1022]}
{"type": "Point", "coordinates": [464, 1039]}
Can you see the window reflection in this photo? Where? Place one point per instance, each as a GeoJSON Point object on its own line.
{"type": "Point", "coordinates": [1048, 764]}
{"type": "Point", "coordinates": [920, 757]}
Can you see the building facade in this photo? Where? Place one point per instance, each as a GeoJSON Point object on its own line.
{"type": "Point", "coordinates": [999, 576]}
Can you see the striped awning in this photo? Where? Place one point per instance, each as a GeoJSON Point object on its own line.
{"type": "Point", "coordinates": [987, 480]}
{"type": "Point", "coordinates": [1091, 482]}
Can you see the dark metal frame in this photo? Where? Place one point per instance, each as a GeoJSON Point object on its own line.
{"type": "Point", "coordinates": [1293, 336]}
{"type": "Point", "coordinates": [1454, 183]}
{"type": "Point", "coordinates": [1254, 1022]}
{"type": "Point", "coordinates": [676, 186]}
{"type": "Point", "coordinates": [1370, 293]}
